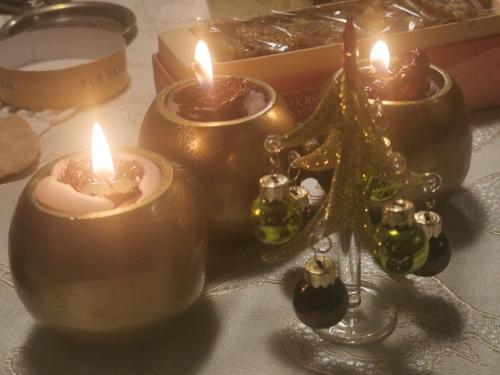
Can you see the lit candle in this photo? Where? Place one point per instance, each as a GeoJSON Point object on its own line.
{"type": "Point", "coordinates": [215, 99]}
{"type": "Point", "coordinates": [82, 185]}
{"type": "Point", "coordinates": [109, 238]}
{"type": "Point", "coordinates": [405, 78]}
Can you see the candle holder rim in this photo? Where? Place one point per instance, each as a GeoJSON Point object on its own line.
{"type": "Point", "coordinates": [163, 165]}
{"type": "Point", "coordinates": [443, 88]}
{"type": "Point", "coordinates": [162, 98]}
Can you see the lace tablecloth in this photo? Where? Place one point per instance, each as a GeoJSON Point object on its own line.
{"type": "Point", "coordinates": [244, 323]}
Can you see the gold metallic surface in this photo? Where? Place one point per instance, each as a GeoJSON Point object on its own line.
{"type": "Point", "coordinates": [227, 156]}
{"type": "Point", "coordinates": [113, 273]}
{"type": "Point", "coordinates": [320, 271]}
{"type": "Point", "coordinates": [434, 134]}
{"type": "Point", "coordinates": [398, 213]}
{"type": "Point", "coordinates": [430, 222]}
{"type": "Point", "coordinates": [274, 187]}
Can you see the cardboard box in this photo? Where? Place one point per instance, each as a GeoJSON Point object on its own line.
{"type": "Point", "coordinates": [469, 51]}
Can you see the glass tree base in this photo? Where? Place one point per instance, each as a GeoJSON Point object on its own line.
{"type": "Point", "coordinates": [372, 320]}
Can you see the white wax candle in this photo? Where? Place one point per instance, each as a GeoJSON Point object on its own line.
{"type": "Point", "coordinates": [63, 197]}
{"type": "Point", "coordinates": [254, 102]}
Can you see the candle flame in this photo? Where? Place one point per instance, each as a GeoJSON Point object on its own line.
{"type": "Point", "coordinates": [102, 162]}
{"type": "Point", "coordinates": [204, 73]}
{"type": "Point", "coordinates": [380, 57]}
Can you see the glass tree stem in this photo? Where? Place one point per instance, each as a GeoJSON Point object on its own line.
{"type": "Point", "coordinates": [350, 267]}
{"type": "Point", "coordinates": [369, 317]}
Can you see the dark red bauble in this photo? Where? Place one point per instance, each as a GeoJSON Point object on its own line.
{"type": "Point", "coordinates": [320, 307]}
{"type": "Point", "coordinates": [438, 258]}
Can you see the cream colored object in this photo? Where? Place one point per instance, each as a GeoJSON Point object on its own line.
{"type": "Point", "coordinates": [63, 197]}
{"type": "Point", "coordinates": [61, 68]}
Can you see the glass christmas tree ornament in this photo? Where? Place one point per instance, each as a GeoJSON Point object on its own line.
{"type": "Point", "coordinates": [320, 299]}
{"type": "Point", "coordinates": [400, 245]}
{"type": "Point", "coordinates": [275, 214]}
{"type": "Point", "coordinates": [439, 246]}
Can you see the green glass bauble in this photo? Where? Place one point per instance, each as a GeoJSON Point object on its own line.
{"type": "Point", "coordinates": [400, 245]}
{"type": "Point", "coordinates": [275, 215]}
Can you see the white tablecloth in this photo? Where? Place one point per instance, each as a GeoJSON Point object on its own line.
{"type": "Point", "coordinates": [245, 322]}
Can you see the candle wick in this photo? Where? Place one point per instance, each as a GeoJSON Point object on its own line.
{"type": "Point", "coordinates": [379, 66]}
{"type": "Point", "coordinates": [195, 67]}
{"type": "Point", "coordinates": [205, 84]}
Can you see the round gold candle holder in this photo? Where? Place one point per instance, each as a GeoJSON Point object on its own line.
{"type": "Point", "coordinates": [116, 273]}
{"type": "Point", "coordinates": [434, 133]}
{"type": "Point", "coordinates": [227, 156]}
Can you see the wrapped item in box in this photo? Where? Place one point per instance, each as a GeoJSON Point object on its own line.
{"type": "Point", "coordinates": [296, 51]}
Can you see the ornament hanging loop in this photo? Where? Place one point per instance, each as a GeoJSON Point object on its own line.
{"type": "Point", "coordinates": [432, 183]}
{"type": "Point", "coordinates": [429, 204]}
{"type": "Point", "coordinates": [294, 171]}
{"type": "Point", "coordinates": [319, 241]}
{"type": "Point", "coordinates": [274, 145]}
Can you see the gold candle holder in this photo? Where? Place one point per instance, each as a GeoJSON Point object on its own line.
{"type": "Point", "coordinates": [434, 133]}
{"type": "Point", "coordinates": [114, 273]}
{"type": "Point", "coordinates": [227, 156]}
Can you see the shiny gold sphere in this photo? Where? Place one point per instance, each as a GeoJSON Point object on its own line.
{"type": "Point", "coordinates": [227, 156]}
{"type": "Point", "coordinates": [434, 133]}
{"type": "Point", "coordinates": [115, 273]}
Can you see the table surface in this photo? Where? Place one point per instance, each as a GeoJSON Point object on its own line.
{"type": "Point", "coordinates": [244, 324]}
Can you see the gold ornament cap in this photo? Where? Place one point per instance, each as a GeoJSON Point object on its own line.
{"type": "Point", "coordinates": [398, 213]}
{"type": "Point", "coordinates": [274, 187]}
{"type": "Point", "coordinates": [320, 271]}
{"type": "Point", "coordinates": [430, 222]}
{"type": "Point", "coordinates": [301, 196]}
